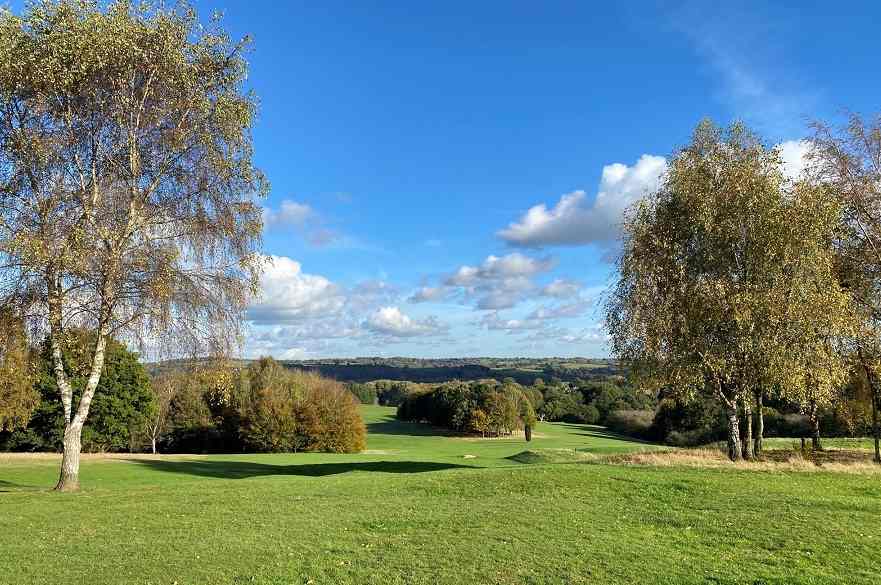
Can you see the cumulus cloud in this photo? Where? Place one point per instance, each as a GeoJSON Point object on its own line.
{"type": "Point", "coordinates": [290, 213]}
{"type": "Point", "coordinates": [561, 289]}
{"type": "Point", "coordinates": [391, 322]}
{"type": "Point", "coordinates": [494, 322]}
{"type": "Point", "coordinates": [794, 154]}
{"type": "Point", "coordinates": [511, 266]}
{"type": "Point", "coordinates": [429, 293]}
{"type": "Point", "coordinates": [563, 311]}
{"type": "Point", "coordinates": [573, 221]}
{"type": "Point", "coordinates": [499, 282]}
{"type": "Point", "coordinates": [591, 335]}
{"type": "Point", "coordinates": [303, 219]}
{"type": "Point", "coordinates": [288, 294]}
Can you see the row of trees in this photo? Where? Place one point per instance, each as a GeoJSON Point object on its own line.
{"type": "Point", "coordinates": [738, 283]}
{"type": "Point", "coordinates": [485, 407]}
{"type": "Point", "coordinates": [213, 408]}
{"type": "Point", "coordinates": [493, 407]}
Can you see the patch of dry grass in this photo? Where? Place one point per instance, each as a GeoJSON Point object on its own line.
{"type": "Point", "coordinates": [834, 460]}
{"type": "Point", "coordinates": [56, 457]}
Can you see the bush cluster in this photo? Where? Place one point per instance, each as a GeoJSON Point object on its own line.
{"type": "Point", "coordinates": [485, 407]}
{"type": "Point", "coordinates": [588, 401]}
{"type": "Point", "coordinates": [264, 407]}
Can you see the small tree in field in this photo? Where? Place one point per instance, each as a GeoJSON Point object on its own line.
{"type": "Point", "coordinates": [126, 183]}
{"type": "Point", "coordinates": [164, 390]}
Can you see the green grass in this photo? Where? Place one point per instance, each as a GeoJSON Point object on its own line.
{"type": "Point", "coordinates": [413, 509]}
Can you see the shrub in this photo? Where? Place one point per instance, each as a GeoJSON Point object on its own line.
{"type": "Point", "coordinates": [485, 407]}
{"type": "Point", "coordinates": [634, 423]}
{"type": "Point", "coordinates": [688, 423]}
{"type": "Point", "coordinates": [332, 420]}
{"type": "Point", "coordinates": [590, 414]}
{"type": "Point", "coordinates": [293, 410]}
{"type": "Point", "coordinates": [365, 394]}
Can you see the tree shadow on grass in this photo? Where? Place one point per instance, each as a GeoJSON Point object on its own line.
{"type": "Point", "coordinates": [391, 426]}
{"type": "Point", "coordinates": [8, 486]}
{"type": "Point", "coordinates": [245, 469]}
{"type": "Point", "coordinates": [598, 432]}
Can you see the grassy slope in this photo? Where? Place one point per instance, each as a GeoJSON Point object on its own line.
{"type": "Point", "coordinates": [413, 510]}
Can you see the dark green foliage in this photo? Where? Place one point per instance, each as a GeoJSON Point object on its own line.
{"type": "Point", "coordinates": [563, 404]}
{"type": "Point", "coordinates": [392, 393]}
{"type": "Point", "coordinates": [691, 423]}
{"type": "Point", "coordinates": [122, 402]}
{"type": "Point", "coordinates": [608, 396]}
{"type": "Point", "coordinates": [486, 407]}
{"type": "Point", "coordinates": [633, 423]}
{"type": "Point", "coordinates": [366, 394]}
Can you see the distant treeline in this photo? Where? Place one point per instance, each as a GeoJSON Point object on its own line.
{"type": "Point", "coordinates": [525, 371]}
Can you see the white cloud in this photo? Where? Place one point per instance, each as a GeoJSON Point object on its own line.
{"type": "Point", "coordinates": [511, 266]}
{"type": "Point", "coordinates": [499, 282]}
{"type": "Point", "coordinates": [561, 289]}
{"type": "Point", "coordinates": [493, 321]}
{"type": "Point", "coordinates": [293, 353]}
{"type": "Point", "coordinates": [428, 293]}
{"type": "Point", "coordinates": [303, 219]}
{"type": "Point", "coordinates": [794, 154]}
{"type": "Point", "coordinates": [391, 322]}
{"type": "Point", "coordinates": [564, 311]}
{"type": "Point", "coordinates": [288, 294]}
{"type": "Point", "coordinates": [589, 336]}
{"type": "Point", "coordinates": [290, 213]}
{"type": "Point", "coordinates": [573, 222]}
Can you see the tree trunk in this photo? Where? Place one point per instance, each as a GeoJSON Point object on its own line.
{"type": "Point", "coordinates": [759, 431]}
{"type": "Point", "coordinates": [528, 431]}
{"type": "Point", "coordinates": [873, 397]}
{"type": "Point", "coordinates": [69, 481]}
{"type": "Point", "coordinates": [748, 428]}
{"type": "Point", "coordinates": [814, 417]}
{"type": "Point", "coordinates": [875, 433]}
{"type": "Point", "coordinates": [153, 444]}
{"type": "Point", "coordinates": [734, 452]}
{"type": "Point", "coordinates": [73, 428]}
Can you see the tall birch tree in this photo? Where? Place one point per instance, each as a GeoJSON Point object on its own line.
{"type": "Point", "coordinates": [847, 158]}
{"type": "Point", "coordinates": [127, 184]}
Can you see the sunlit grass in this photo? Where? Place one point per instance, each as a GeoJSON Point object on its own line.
{"type": "Point", "coordinates": [415, 509]}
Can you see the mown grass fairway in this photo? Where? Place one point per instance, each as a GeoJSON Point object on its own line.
{"type": "Point", "coordinates": [414, 510]}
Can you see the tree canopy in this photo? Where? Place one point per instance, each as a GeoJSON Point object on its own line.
{"type": "Point", "coordinates": [727, 277]}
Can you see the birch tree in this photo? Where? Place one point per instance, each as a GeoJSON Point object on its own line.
{"type": "Point", "coordinates": [127, 184]}
{"type": "Point", "coordinates": [847, 158]}
{"type": "Point", "coordinates": [722, 270]}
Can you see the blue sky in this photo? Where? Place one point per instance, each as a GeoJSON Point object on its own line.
{"type": "Point", "coordinates": [409, 144]}
{"type": "Point", "coordinates": [404, 139]}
